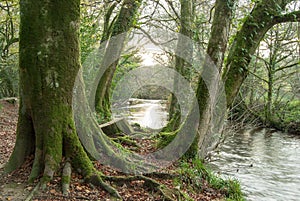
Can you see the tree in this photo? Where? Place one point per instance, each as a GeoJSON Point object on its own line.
{"type": "Point", "coordinates": [263, 16]}
{"type": "Point", "coordinates": [121, 25]}
{"type": "Point", "coordinates": [217, 46]}
{"type": "Point", "coordinates": [266, 94]}
{"type": "Point", "coordinates": [278, 65]}
{"type": "Point", "coordinates": [215, 53]}
{"type": "Point", "coordinates": [8, 49]}
{"type": "Point", "coordinates": [184, 48]}
{"type": "Point", "coordinates": [49, 63]}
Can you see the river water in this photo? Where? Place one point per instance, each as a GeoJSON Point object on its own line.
{"type": "Point", "coordinates": [148, 113]}
{"type": "Point", "coordinates": [267, 164]}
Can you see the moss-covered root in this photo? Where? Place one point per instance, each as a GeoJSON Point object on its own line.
{"type": "Point", "coordinates": [66, 178]}
{"type": "Point", "coordinates": [96, 180]}
{"type": "Point", "coordinates": [81, 162]}
{"type": "Point", "coordinates": [166, 192]}
{"type": "Point", "coordinates": [126, 140]}
{"type": "Point", "coordinates": [33, 192]}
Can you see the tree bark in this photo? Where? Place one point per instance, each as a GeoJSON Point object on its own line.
{"type": "Point", "coordinates": [183, 59]}
{"type": "Point", "coordinates": [216, 49]}
{"type": "Point", "coordinates": [49, 63]}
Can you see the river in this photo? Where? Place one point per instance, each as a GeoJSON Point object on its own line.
{"type": "Point", "coordinates": [148, 113]}
{"type": "Point", "coordinates": [267, 164]}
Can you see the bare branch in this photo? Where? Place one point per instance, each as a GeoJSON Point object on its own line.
{"type": "Point", "coordinates": [151, 39]}
{"type": "Point", "coordinates": [286, 67]}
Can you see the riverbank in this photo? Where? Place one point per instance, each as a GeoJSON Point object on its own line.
{"type": "Point", "coordinates": [188, 180]}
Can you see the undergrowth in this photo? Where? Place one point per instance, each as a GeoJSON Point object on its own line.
{"type": "Point", "coordinates": [194, 173]}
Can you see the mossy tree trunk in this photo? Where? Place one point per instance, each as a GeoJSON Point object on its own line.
{"type": "Point", "coordinates": [49, 63]}
{"type": "Point", "coordinates": [124, 21]}
{"type": "Point", "coordinates": [183, 59]}
{"type": "Point", "coordinates": [264, 15]}
{"type": "Point", "coordinates": [216, 49]}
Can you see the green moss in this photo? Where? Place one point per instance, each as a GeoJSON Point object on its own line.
{"type": "Point", "coordinates": [192, 152]}
{"type": "Point", "coordinates": [174, 123]}
{"type": "Point", "coordinates": [76, 153]}
{"type": "Point", "coordinates": [46, 179]}
{"type": "Point", "coordinates": [192, 173]}
{"type": "Point", "coordinates": [65, 179]}
{"type": "Point", "coordinates": [165, 138]}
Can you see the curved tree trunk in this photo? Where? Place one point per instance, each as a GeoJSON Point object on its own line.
{"type": "Point", "coordinates": [264, 15]}
{"type": "Point", "coordinates": [49, 63]}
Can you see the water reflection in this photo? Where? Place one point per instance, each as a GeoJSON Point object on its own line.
{"type": "Point", "coordinates": [148, 113]}
{"type": "Point", "coordinates": [266, 164]}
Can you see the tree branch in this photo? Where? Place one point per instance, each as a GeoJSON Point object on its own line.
{"type": "Point", "coordinates": [258, 77]}
{"type": "Point", "coordinates": [289, 66]}
{"type": "Point", "coordinates": [289, 17]}
{"type": "Point", "coordinates": [151, 39]}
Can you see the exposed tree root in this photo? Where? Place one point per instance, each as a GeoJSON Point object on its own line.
{"type": "Point", "coordinates": [33, 192]}
{"type": "Point", "coordinates": [66, 178]}
{"type": "Point", "coordinates": [162, 175]}
{"type": "Point", "coordinates": [96, 180]}
{"type": "Point", "coordinates": [168, 194]}
{"type": "Point", "coordinates": [126, 140]}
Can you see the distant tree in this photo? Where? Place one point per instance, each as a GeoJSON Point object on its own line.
{"type": "Point", "coordinates": [274, 73]}
{"type": "Point", "coordinates": [263, 16]}
{"type": "Point", "coordinates": [8, 48]}
{"type": "Point", "coordinates": [121, 24]}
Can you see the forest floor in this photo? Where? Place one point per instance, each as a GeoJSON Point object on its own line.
{"type": "Point", "coordinates": [15, 186]}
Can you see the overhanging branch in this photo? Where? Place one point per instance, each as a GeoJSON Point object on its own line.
{"type": "Point", "coordinates": [289, 17]}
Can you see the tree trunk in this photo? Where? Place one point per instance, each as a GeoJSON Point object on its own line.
{"type": "Point", "coordinates": [49, 63]}
{"type": "Point", "coordinates": [215, 56]}
{"type": "Point", "coordinates": [270, 94]}
{"type": "Point", "coordinates": [183, 59]}
{"type": "Point", "coordinates": [125, 21]}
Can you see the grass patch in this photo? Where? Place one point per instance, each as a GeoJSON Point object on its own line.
{"type": "Point", "coordinates": [196, 175]}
